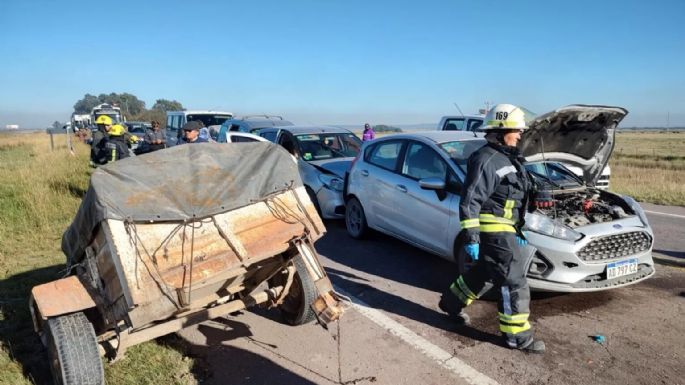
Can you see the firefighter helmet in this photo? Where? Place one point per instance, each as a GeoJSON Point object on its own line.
{"type": "Point", "coordinates": [506, 117]}
{"type": "Point", "coordinates": [117, 130]}
{"type": "Point", "coordinates": [104, 119]}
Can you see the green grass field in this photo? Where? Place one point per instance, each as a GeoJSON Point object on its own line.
{"type": "Point", "coordinates": [40, 191]}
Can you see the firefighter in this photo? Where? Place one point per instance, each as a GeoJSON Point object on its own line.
{"type": "Point", "coordinates": [116, 144]}
{"type": "Point", "coordinates": [492, 208]}
{"type": "Point", "coordinates": [100, 136]}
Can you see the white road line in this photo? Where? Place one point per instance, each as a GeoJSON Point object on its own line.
{"type": "Point", "coordinates": [670, 215]}
{"type": "Point", "coordinates": [435, 353]}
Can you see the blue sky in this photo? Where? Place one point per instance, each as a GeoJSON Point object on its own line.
{"type": "Point", "coordinates": [344, 62]}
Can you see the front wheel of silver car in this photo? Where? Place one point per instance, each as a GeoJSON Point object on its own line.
{"type": "Point", "coordinates": [355, 220]}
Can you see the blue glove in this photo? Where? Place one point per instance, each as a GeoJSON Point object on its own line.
{"type": "Point", "coordinates": [472, 250]}
{"type": "Point", "coordinates": [521, 240]}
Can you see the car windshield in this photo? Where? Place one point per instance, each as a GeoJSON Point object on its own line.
{"type": "Point", "coordinates": [460, 150]}
{"type": "Point", "coordinates": [326, 146]}
{"type": "Point", "coordinates": [209, 119]}
{"type": "Point", "coordinates": [553, 174]}
{"type": "Point", "coordinates": [137, 128]}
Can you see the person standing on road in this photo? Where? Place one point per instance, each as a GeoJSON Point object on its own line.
{"type": "Point", "coordinates": [191, 132]}
{"type": "Point", "coordinates": [368, 134]}
{"type": "Point", "coordinates": [155, 137]}
{"type": "Point", "coordinates": [492, 209]}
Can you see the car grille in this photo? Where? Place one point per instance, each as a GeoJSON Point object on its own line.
{"type": "Point", "coordinates": [615, 246]}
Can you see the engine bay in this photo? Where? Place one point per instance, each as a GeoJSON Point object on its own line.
{"type": "Point", "coordinates": [581, 207]}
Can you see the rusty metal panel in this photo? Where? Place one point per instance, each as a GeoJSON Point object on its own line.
{"type": "Point", "coordinates": [327, 308]}
{"type": "Point", "coordinates": [63, 296]}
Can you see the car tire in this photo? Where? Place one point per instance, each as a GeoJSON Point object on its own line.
{"type": "Point", "coordinates": [296, 308]}
{"type": "Point", "coordinates": [355, 219]}
{"type": "Point", "coordinates": [73, 351]}
{"type": "Point", "coordinates": [314, 200]}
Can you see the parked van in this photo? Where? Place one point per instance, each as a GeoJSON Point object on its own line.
{"type": "Point", "coordinates": [176, 119]}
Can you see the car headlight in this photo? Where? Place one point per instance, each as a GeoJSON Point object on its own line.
{"type": "Point", "coordinates": [547, 226]}
{"type": "Point", "coordinates": [637, 208]}
{"type": "Point", "coordinates": [332, 182]}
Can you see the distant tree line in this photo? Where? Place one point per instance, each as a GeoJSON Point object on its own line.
{"type": "Point", "coordinates": [384, 128]}
{"type": "Point", "coordinates": [131, 107]}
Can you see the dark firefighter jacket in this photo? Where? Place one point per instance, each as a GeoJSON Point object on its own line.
{"type": "Point", "coordinates": [495, 195]}
{"type": "Point", "coordinates": [116, 148]}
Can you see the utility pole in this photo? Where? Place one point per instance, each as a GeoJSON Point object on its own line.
{"type": "Point", "coordinates": [668, 120]}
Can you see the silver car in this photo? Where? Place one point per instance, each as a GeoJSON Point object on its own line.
{"type": "Point", "coordinates": [324, 154]}
{"type": "Point", "coordinates": [582, 239]}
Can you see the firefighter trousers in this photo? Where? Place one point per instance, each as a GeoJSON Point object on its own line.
{"type": "Point", "coordinates": [502, 265]}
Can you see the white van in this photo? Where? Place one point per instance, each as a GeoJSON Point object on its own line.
{"type": "Point", "coordinates": [176, 119]}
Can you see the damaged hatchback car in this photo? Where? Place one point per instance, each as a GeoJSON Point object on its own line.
{"type": "Point", "coordinates": [581, 238]}
{"type": "Point", "coordinates": [323, 156]}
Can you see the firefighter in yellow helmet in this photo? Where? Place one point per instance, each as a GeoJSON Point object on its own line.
{"type": "Point", "coordinates": [100, 136]}
{"type": "Point", "coordinates": [116, 144]}
{"type": "Point", "coordinates": [492, 209]}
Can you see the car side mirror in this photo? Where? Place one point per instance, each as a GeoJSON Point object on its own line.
{"type": "Point", "coordinates": [432, 184]}
{"type": "Point", "coordinates": [435, 184]}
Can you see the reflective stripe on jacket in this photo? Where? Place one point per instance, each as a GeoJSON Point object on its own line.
{"type": "Point", "coordinates": [495, 194]}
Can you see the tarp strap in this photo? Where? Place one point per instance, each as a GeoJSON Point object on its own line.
{"type": "Point", "coordinates": [156, 276]}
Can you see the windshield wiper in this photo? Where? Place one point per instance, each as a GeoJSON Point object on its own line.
{"type": "Point", "coordinates": [545, 177]}
{"type": "Point", "coordinates": [567, 173]}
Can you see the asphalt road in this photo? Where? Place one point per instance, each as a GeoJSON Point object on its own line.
{"type": "Point", "coordinates": [395, 334]}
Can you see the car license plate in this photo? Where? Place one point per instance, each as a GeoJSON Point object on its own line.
{"type": "Point", "coordinates": [621, 268]}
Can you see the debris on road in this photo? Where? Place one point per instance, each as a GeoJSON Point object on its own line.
{"type": "Point", "coordinates": [600, 339]}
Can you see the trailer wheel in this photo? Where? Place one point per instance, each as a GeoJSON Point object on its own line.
{"type": "Point", "coordinates": [296, 307]}
{"type": "Point", "coordinates": [73, 351]}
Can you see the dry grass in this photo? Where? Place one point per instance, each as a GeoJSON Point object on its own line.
{"type": "Point", "coordinates": [650, 166]}
{"type": "Point", "coordinates": [40, 192]}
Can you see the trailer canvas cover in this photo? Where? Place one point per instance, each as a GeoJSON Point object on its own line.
{"type": "Point", "coordinates": [181, 183]}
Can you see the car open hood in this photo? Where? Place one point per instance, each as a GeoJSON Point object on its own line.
{"type": "Point", "coordinates": [337, 166]}
{"type": "Point", "coordinates": [577, 135]}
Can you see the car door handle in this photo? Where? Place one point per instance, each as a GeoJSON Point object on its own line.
{"type": "Point", "coordinates": [364, 172]}
{"type": "Point", "coordinates": [401, 188]}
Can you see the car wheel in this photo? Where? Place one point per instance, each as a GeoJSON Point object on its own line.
{"type": "Point", "coordinates": [314, 200]}
{"type": "Point", "coordinates": [296, 308]}
{"type": "Point", "coordinates": [355, 219]}
{"type": "Point", "coordinates": [73, 351]}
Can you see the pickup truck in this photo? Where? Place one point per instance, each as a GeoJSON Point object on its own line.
{"type": "Point", "coordinates": [460, 122]}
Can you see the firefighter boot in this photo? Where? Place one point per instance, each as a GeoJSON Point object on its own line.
{"type": "Point", "coordinates": [452, 306]}
{"type": "Point", "coordinates": [535, 347]}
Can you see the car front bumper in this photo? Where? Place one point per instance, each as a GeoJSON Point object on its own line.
{"type": "Point", "coordinates": [565, 271]}
{"type": "Point", "coordinates": [331, 203]}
